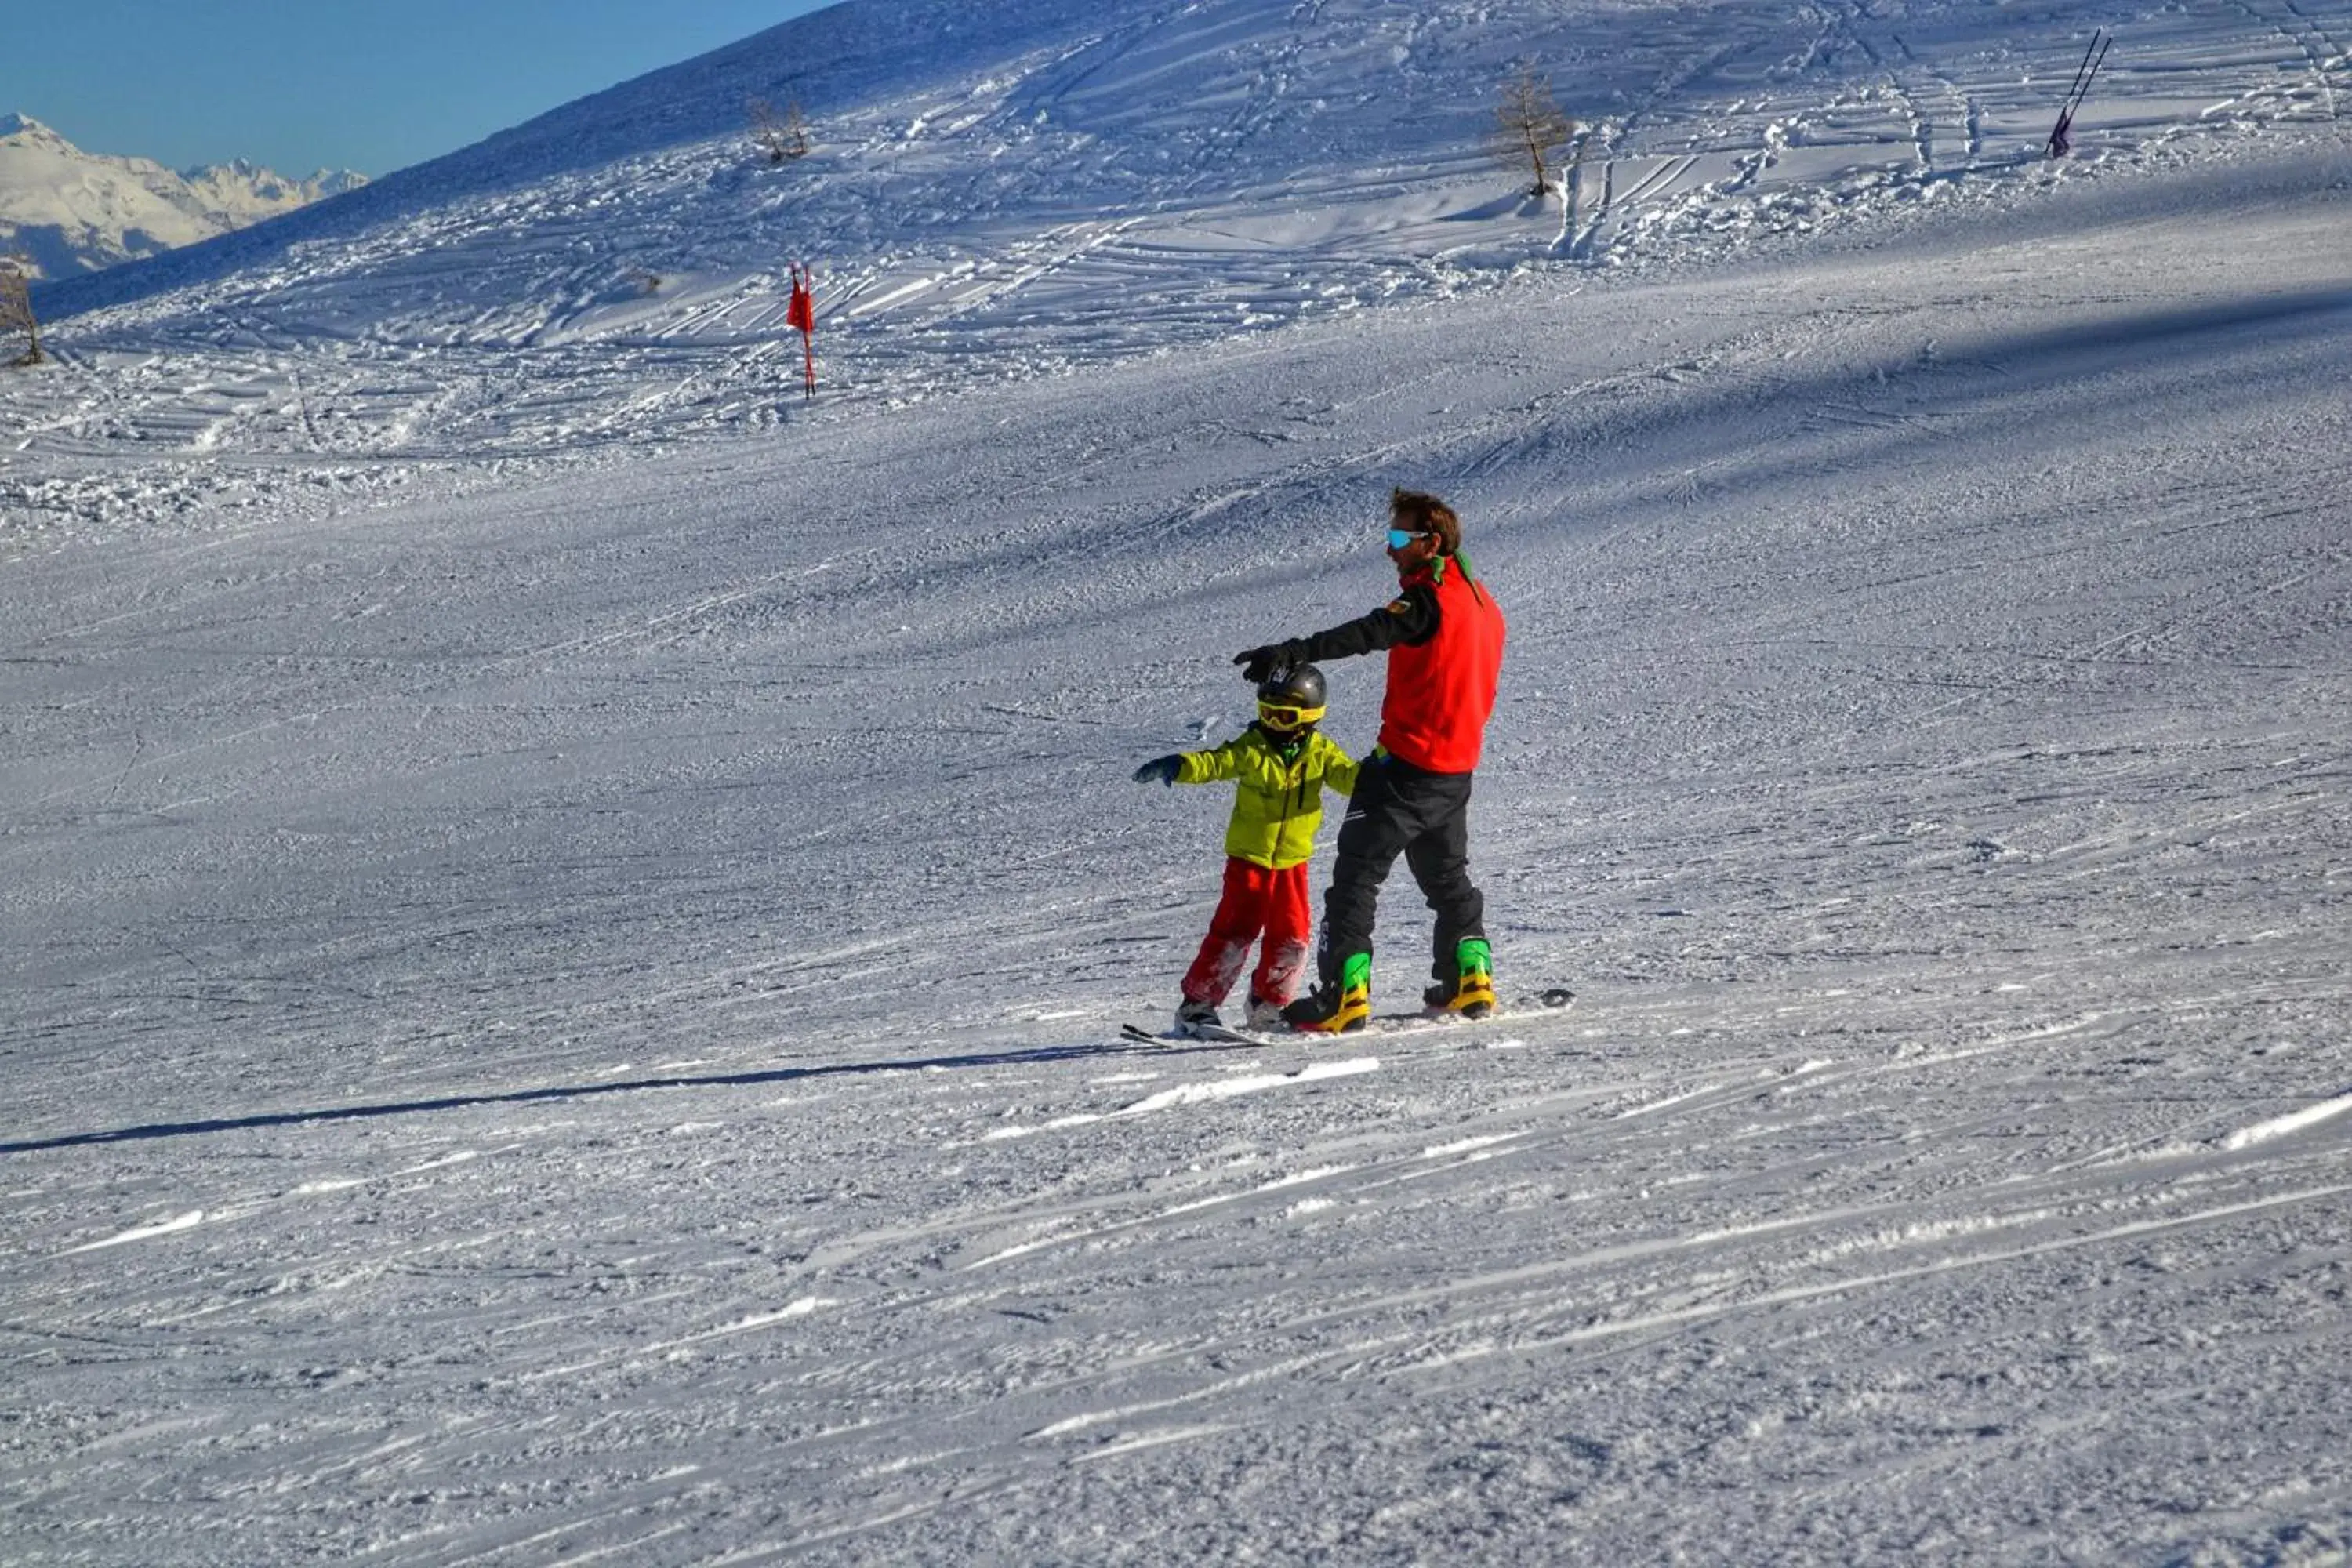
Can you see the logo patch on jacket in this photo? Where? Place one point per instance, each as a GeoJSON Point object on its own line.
{"type": "Point", "coordinates": [1400, 606]}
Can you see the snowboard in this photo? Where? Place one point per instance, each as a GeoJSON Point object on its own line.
{"type": "Point", "coordinates": [1552, 1000]}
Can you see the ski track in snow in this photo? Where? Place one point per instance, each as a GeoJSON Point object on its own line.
{"type": "Point", "coordinates": [570, 920]}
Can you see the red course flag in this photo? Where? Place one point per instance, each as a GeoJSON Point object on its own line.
{"type": "Point", "coordinates": [802, 315]}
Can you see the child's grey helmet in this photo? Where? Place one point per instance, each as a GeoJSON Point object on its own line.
{"type": "Point", "coordinates": [1292, 699]}
{"type": "Point", "coordinates": [1301, 686]}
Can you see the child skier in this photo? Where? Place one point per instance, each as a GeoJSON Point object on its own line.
{"type": "Point", "coordinates": [1279, 765]}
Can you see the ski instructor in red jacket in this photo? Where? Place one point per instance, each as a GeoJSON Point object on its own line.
{"type": "Point", "coordinates": [1444, 636]}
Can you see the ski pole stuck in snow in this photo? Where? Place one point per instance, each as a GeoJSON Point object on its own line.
{"type": "Point", "coordinates": [2061, 140]}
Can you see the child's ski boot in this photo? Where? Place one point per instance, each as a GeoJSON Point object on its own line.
{"type": "Point", "coordinates": [1192, 1017]}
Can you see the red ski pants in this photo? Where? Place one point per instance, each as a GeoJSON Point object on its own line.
{"type": "Point", "coordinates": [1256, 899]}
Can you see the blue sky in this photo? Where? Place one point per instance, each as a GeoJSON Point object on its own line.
{"type": "Point", "coordinates": [346, 84]}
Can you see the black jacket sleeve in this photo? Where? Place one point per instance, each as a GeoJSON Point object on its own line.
{"type": "Point", "coordinates": [1411, 618]}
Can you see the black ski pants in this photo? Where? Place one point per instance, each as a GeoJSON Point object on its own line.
{"type": "Point", "coordinates": [1400, 809]}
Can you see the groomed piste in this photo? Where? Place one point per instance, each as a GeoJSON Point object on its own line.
{"type": "Point", "coordinates": [570, 912]}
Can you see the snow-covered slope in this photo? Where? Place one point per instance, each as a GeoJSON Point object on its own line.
{"type": "Point", "coordinates": [1009, 190]}
{"type": "Point", "coordinates": [69, 212]}
{"type": "Point", "coordinates": [577, 1020]}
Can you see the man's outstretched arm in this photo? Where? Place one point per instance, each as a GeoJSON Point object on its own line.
{"type": "Point", "coordinates": [1409, 617]}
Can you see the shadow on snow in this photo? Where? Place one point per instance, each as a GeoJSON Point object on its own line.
{"type": "Point", "coordinates": [592, 1090]}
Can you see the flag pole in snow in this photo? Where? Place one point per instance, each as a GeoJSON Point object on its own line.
{"type": "Point", "coordinates": [2062, 139]}
{"type": "Point", "coordinates": [802, 314]}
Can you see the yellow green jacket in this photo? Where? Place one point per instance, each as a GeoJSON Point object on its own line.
{"type": "Point", "coordinates": [1278, 801]}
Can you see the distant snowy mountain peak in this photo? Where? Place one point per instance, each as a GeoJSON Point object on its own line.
{"type": "Point", "coordinates": [73, 212]}
{"type": "Point", "coordinates": [14, 124]}
{"type": "Point", "coordinates": [248, 193]}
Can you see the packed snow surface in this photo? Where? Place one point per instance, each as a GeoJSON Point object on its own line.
{"type": "Point", "coordinates": [568, 915]}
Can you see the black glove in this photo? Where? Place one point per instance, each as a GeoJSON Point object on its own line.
{"type": "Point", "coordinates": [1161, 770]}
{"type": "Point", "coordinates": [1272, 662]}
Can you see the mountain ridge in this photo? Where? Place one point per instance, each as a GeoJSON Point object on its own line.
{"type": "Point", "coordinates": [72, 212]}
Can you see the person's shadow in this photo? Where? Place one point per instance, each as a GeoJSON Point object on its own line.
{"type": "Point", "coordinates": [591, 1090]}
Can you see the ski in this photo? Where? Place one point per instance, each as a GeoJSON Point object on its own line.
{"type": "Point", "coordinates": [1196, 1034]}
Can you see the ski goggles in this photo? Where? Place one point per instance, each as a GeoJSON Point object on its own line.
{"type": "Point", "coordinates": [1288, 715]}
{"type": "Point", "coordinates": [1402, 538]}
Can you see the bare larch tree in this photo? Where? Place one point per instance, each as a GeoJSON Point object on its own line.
{"type": "Point", "coordinates": [17, 307]}
{"type": "Point", "coordinates": [781, 135]}
{"type": "Point", "coordinates": [1530, 126]}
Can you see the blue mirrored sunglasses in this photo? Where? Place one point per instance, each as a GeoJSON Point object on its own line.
{"type": "Point", "coordinates": [1398, 538]}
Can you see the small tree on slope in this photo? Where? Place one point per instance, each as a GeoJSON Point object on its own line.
{"type": "Point", "coordinates": [17, 307]}
{"type": "Point", "coordinates": [781, 135]}
{"type": "Point", "coordinates": [1530, 126]}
